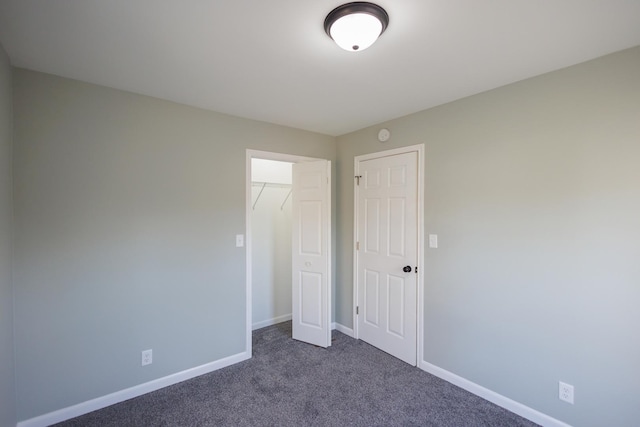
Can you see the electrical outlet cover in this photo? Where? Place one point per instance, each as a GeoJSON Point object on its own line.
{"type": "Point", "coordinates": [147, 357]}
{"type": "Point", "coordinates": [565, 392]}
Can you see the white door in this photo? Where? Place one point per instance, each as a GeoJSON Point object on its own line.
{"type": "Point", "coordinates": [311, 252]}
{"type": "Point", "coordinates": [387, 247]}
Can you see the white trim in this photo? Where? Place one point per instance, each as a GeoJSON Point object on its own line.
{"type": "Point", "coordinates": [329, 236]}
{"type": "Point", "coordinates": [247, 252]}
{"type": "Point", "coordinates": [421, 253]}
{"type": "Point", "coordinates": [268, 155]}
{"type": "Point", "coordinates": [419, 149]}
{"type": "Point", "coordinates": [282, 157]}
{"type": "Point", "coordinates": [131, 392]}
{"type": "Point", "coordinates": [274, 321]}
{"type": "Point", "coordinates": [354, 262]}
{"type": "Point", "coordinates": [341, 328]}
{"type": "Point", "coordinates": [493, 397]}
{"type": "Point", "coordinates": [386, 153]}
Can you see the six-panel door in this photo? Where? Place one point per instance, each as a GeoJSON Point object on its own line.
{"type": "Point", "coordinates": [311, 250]}
{"type": "Point", "coordinates": [387, 236]}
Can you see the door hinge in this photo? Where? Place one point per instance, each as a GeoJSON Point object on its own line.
{"type": "Point", "coordinates": [357, 310]}
{"type": "Point", "coordinates": [358, 179]}
{"type": "Point", "coordinates": [357, 246]}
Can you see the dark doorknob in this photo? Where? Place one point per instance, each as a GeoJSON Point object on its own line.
{"type": "Point", "coordinates": [407, 269]}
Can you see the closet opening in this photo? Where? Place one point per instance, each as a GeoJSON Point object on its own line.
{"type": "Point", "coordinates": [288, 245]}
{"type": "Point", "coordinates": [271, 187]}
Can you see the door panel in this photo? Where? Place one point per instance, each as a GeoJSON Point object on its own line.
{"type": "Point", "coordinates": [387, 230]}
{"type": "Point", "coordinates": [395, 305]}
{"type": "Point", "coordinates": [372, 298]}
{"type": "Point", "coordinates": [311, 299]}
{"type": "Point", "coordinates": [372, 228]}
{"type": "Point", "coordinates": [311, 250]}
{"type": "Point", "coordinates": [396, 227]}
{"type": "Point", "coordinates": [311, 228]}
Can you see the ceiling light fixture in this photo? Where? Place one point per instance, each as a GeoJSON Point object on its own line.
{"type": "Point", "coordinates": [356, 26]}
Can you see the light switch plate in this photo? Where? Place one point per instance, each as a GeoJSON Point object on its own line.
{"type": "Point", "coordinates": [433, 241]}
{"type": "Point", "coordinates": [239, 240]}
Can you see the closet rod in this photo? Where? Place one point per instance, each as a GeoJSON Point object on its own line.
{"type": "Point", "coordinates": [270, 184]}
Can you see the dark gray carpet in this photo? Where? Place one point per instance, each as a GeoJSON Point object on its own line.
{"type": "Point", "coordinates": [288, 383]}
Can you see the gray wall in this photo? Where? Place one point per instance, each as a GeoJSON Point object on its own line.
{"type": "Point", "coordinates": [126, 213]}
{"type": "Point", "coordinates": [7, 371]}
{"type": "Point", "coordinates": [126, 210]}
{"type": "Point", "coordinates": [534, 191]}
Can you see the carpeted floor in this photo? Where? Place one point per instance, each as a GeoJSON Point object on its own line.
{"type": "Point", "coordinates": [288, 383]}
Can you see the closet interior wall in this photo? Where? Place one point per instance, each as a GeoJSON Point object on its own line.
{"type": "Point", "coordinates": [271, 242]}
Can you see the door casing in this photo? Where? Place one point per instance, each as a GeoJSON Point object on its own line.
{"type": "Point", "coordinates": [419, 148]}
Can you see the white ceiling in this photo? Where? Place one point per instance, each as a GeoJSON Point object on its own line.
{"type": "Point", "coordinates": [270, 60]}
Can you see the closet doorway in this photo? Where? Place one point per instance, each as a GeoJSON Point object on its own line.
{"type": "Point", "coordinates": [288, 246]}
{"type": "Point", "coordinates": [271, 237]}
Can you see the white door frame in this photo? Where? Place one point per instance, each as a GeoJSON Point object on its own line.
{"type": "Point", "coordinates": [266, 155]}
{"type": "Point", "coordinates": [419, 148]}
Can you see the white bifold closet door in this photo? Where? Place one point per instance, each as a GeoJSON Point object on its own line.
{"type": "Point", "coordinates": [311, 252]}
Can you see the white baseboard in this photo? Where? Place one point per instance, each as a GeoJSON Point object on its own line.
{"type": "Point", "coordinates": [131, 392]}
{"type": "Point", "coordinates": [269, 322]}
{"type": "Point", "coordinates": [135, 391]}
{"type": "Point", "coordinates": [493, 397]}
{"type": "Point", "coordinates": [341, 328]}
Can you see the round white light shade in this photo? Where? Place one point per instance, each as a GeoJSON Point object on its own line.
{"type": "Point", "coordinates": [356, 32]}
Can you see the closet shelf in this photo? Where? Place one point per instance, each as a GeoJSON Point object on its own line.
{"type": "Point", "coordinates": [263, 185]}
